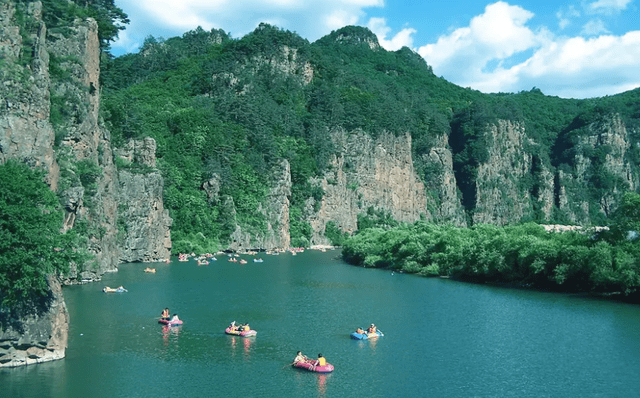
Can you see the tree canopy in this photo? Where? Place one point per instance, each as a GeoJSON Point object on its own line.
{"type": "Point", "coordinates": [31, 244]}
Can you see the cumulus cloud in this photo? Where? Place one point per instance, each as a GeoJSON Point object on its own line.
{"type": "Point", "coordinates": [608, 6]}
{"type": "Point", "coordinates": [497, 34]}
{"type": "Point", "coordinates": [404, 38]}
{"type": "Point", "coordinates": [566, 16]}
{"type": "Point", "coordinates": [476, 55]}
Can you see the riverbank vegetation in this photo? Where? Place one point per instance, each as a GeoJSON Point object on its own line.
{"type": "Point", "coordinates": [523, 255]}
{"type": "Point", "coordinates": [32, 246]}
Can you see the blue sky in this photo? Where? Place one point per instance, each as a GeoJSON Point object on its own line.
{"type": "Point", "coordinates": [570, 49]}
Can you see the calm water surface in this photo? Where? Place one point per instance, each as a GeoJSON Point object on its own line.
{"type": "Point", "coordinates": [442, 338]}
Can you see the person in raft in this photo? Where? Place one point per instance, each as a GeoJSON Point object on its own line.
{"type": "Point", "coordinates": [246, 328]}
{"type": "Point", "coordinates": [359, 331]}
{"type": "Point", "coordinates": [321, 360]}
{"type": "Point", "coordinates": [372, 329]}
{"type": "Point", "coordinates": [300, 358]}
{"type": "Point", "coordinates": [175, 318]}
{"type": "Point", "coordinates": [165, 314]}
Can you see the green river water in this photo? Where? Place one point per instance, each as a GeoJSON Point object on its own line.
{"type": "Point", "coordinates": [442, 338]}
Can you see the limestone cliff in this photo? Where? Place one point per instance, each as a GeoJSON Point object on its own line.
{"type": "Point", "coordinates": [275, 211]}
{"type": "Point", "coordinates": [25, 131]}
{"type": "Point", "coordinates": [51, 120]}
{"type": "Point", "coordinates": [442, 187]}
{"type": "Point", "coordinates": [513, 182]}
{"type": "Point", "coordinates": [368, 173]}
{"type": "Point", "coordinates": [145, 223]}
{"type": "Point", "coordinates": [610, 141]}
{"type": "Point", "coordinates": [500, 196]}
{"type": "Point", "coordinates": [36, 335]}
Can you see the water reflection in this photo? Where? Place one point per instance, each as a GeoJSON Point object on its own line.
{"type": "Point", "coordinates": [246, 344]}
{"type": "Point", "coordinates": [168, 332]}
{"type": "Point", "coordinates": [322, 383]}
{"type": "Point", "coordinates": [371, 343]}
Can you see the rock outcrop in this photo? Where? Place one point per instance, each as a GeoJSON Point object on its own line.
{"type": "Point", "coordinates": [613, 168]}
{"type": "Point", "coordinates": [442, 190]}
{"type": "Point", "coordinates": [274, 210]}
{"type": "Point", "coordinates": [38, 336]}
{"type": "Point", "coordinates": [500, 196]}
{"type": "Point", "coordinates": [144, 222]}
{"type": "Point", "coordinates": [25, 130]}
{"type": "Point", "coordinates": [368, 173]}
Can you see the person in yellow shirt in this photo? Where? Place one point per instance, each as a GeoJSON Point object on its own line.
{"type": "Point", "coordinates": [321, 360]}
{"type": "Point", "coordinates": [246, 328]}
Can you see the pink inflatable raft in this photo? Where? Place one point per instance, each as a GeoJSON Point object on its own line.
{"type": "Point", "coordinates": [170, 323]}
{"type": "Point", "coordinates": [311, 366]}
{"type": "Point", "coordinates": [234, 332]}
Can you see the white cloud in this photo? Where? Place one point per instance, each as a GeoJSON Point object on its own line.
{"type": "Point", "coordinates": [566, 16]}
{"type": "Point", "coordinates": [567, 67]}
{"type": "Point", "coordinates": [401, 39]}
{"type": "Point", "coordinates": [594, 27]}
{"type": "Point", "coordinates": [497, 34]}
{"type": "Point", "coordinates": [339, 18]}
{"type": "Point", "coordinates": [608, 6]}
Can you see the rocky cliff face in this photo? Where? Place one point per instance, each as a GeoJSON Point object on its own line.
{"type": "Point", "coordinates": [609, 135]}
{"type": "Point", "coordinates": [442, 190]}
{"type": "Point", "coordinates": [25, 131]}
{"type": "Point", "coordinates": [84, 143]}
{"type": "Point", "coordinates": [368, 173]}
{"type": "Point", "coordinates": [39, 335]}
{"type": "Point", "coordinates": [121, 211]}
{"type": "Point", "coordinates": [275, 210]}
{"type": "Point", "coordinates": [500, 196]}
{"type": "Point", "coordinates": [504, 192]}
{"type": "Point", "coordinates": [143, 221]}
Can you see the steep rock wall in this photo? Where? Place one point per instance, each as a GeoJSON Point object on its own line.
{"type": "Point", "coordinates": [83, 139]}
{"type": "Point", "coordinates": [368, 173]}
{"type": "Point", "coordinates": [500, 197]}
{"type": "Point", "coordinates": [40, 336]}
{"type": "Point", "coordinates": [25, 131]}
{"type": "Point", "coordinates": [144, 223]}
{"type": "Point", "coordinates": [609, 134]}
{"type": "Point", "coordinates": [513, 184]}
{"type": "Point", "coordinates": [442, 187]}
{"type": "Point", "coordinates": [78, 157]}
{"type": "Point", "coordinates": [275, 211]}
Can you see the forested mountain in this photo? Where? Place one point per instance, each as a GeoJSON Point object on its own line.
{"type": "Point", "coordinates": [227, 111]}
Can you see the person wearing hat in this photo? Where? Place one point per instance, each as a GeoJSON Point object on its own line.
{"type": "Point", "coordinates": [372, 329]}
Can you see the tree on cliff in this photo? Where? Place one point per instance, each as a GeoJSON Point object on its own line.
{"type": "Point", "coordinates": [31, 244]}
{"type": "Point", "coordinates": [110, 18]}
